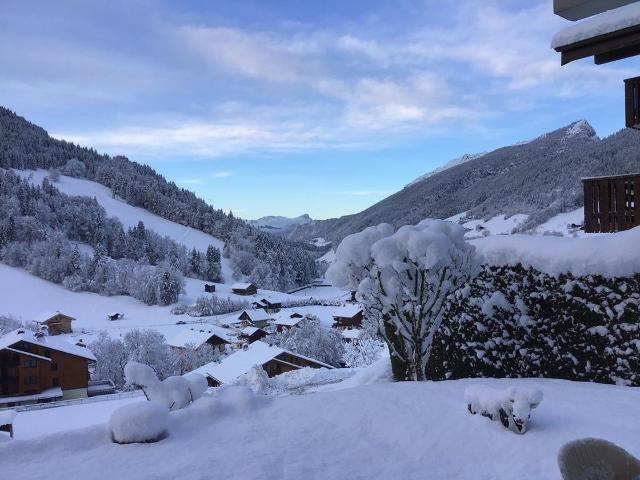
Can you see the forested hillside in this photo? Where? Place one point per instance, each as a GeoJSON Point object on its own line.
{"type": "Point", "coordinates": [540, 178]}
{"type": "Point", "coordinates": [270, 261]}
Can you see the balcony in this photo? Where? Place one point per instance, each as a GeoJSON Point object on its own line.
{"type": "Point", "coordinates": [579, 9]}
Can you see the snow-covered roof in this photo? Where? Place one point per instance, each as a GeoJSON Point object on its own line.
{"type": "Point", "coordinates": [52, 343]}
{"type": "Point", "coordinates": [232, 367]}
{"type": "Point", "coordinates": [353, 334]}
{"type": "Point", "coordinates": [348, 311]}
{"type": "Point", "coordinates": [44, 316]}
{"type": "Point", "coordinates": [284, 318]}
{"type": "Point", "coordinates": [601, 24]}
{"type": "Point", "coordinates": [258, 315]}
{"type": "Point", "coordinates": [623, 175]}
{"type": "Point", "coordinates": [248, 331]}
{"type": "Point", "coordinates": [241, 286]}
{"type": "Point", "coordinates": [198, 336]}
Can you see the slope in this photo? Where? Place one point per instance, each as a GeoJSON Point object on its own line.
{"type": "Point", "coordinates": [540, 178]}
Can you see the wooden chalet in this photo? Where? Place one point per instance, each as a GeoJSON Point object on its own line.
{"type": "Point", "coordinates": [268, 306]}
{"type": "Point", "coordinates": [252, 334]}
{"type": "Point", "coordinates": [209, 288]}
{"type": "Point", "coordinates": [255, 318]}
{"type": "Point", "coordinates": [55, 322]}
{"type": "Point", "coordinates": [348, 317]}
{"type": "Point", "coordinates": [37, 368]}
{"type": "Point", "coordinates": [273, 360]}
{"type": "Point", "coordinates": [610, 203]}
{"type": "Point", "coordinates": [244, 289]}
{"type": "Point", "coordinates": [195, 338]}
{"type": "Point", "coordinates": [286, 321]}
{"type": "Point", "coordinates": [607, 30]}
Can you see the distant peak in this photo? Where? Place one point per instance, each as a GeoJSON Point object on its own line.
{"type": "Point", "coordinates": [581, 128]}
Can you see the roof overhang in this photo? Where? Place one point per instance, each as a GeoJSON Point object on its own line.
{"type": "Point", "coordinates": [603, 48]}
{"type": "Point", "coordinates": [579, 9]}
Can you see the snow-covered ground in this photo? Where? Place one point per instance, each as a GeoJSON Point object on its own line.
{"type": "Point", "coordinates": [396, 430]}
{"type": "Point", "coordinates": [129, 215]}
{"type": "Point", "coordinates": [25, 296]}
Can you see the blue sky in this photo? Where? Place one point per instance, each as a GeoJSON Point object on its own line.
{"type": "Point", "coordinates": [290, 107]}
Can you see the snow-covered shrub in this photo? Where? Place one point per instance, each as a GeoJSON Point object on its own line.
{"type": "Point", "coordinates": [111, 358]}
{"type": "Point", "coordinates": [363, 352]}
{"type": "Point", "coordinates": [574, 328]}
{"type": "Point", "coordinates": [139, 422]}
{"type": "Point", "coordinates": [174, 392]}
{"type": "Point", "coordinates": [511, 406]}
{"type": "Point", "coordinates": [311, 339]}
{"type": "Point", "coordinates": [404, 279]}
{"type": "Point", "coordinates": [197, 384]}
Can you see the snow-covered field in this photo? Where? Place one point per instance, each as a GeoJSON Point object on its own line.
{"type": "Point", "coordinates": [397, 430]}
{"type": "Point", "coordinates": [130, 215]}
{"type": "Point", "coordinates": [25, 296]}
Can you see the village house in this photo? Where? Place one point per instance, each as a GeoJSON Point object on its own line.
{"type": "Point", "coordinates": [37, 368]}
{"type": "Point", "coordinates": [254, 318]}
{"type": "Point", "coordinates": [194, 338]}
{"type": "Point", "coordinates": [252, 334]}
{"type": "Point", "coordinates": [351, 336]}
{"type": "Point", "coordinates": [285, 321]}
{"type": "Point", "coordinates": [268, 306]}
{"type": "Point", "coordinates": [274, 361]}
{"type": "Point", "coordinates": [348, 317]}
{"type": "Point", "coordinates": [55, 322]}
{"type": "Point", "coordinates": [244, 289]}
{"type": "Point", "coordinates": [209, 288]}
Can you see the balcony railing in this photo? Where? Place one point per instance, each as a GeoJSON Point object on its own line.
{"type": "Point", "coordinates": [632, 102]}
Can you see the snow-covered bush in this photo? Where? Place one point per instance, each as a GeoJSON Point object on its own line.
{"type": "Point", "coordinates": [139, 422]}
{"type": "Point", "coordinates": [511, 406]}
{"type": "Point", "coordinates": [311, 339]}
{"type": "Point", "coordinates": [363, 352]}
{"type": "Point", "coordinates": [574, 328]}
{"type": "Point", "coordinates": [404, 279]}
{"type": "Point", "coordinates": [111, 358]}
{"type": "Point", "coordinates": [174, 392]}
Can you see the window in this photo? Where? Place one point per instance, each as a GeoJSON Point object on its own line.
{"type": "Point", "coordinates": [54, 366]}
{"type": "Point", "coordinates": [30, 363]}
{"type": "Point", "coordinates": [30, 380]}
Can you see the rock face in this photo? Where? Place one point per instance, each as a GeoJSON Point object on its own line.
{"type": "Point", "coordinates": [281, 225]}
{"type": "Point", "coordinates": [540, 178]}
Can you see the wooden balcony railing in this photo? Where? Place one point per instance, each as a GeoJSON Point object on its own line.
{"type": "Point", "coordinates": [632, 102]}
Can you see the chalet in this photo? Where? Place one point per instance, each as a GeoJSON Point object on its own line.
{"type": "Point", "coordinates": [254, 318]}
{"type": "Point", "coordinates": [37, 368]}
{"type": "Point", "coordinates": [351, 336]}
{"type": "Point", "coordinates": [209, 288]}
{"type": "Point", "coordinates": [115, 316]}
{"type": "Point", "coordinates": [610, 203]}
{"type": "Point", "coordinates": [268, 306]}
{"type": "Point", "coordinates": [245, 289]}
{"type": "Point", "coordinates": [195, 338]}
{"type": "Point", "coordinates": [273, 360]}
{"type": "Point", "coordinates": [348, 317]}
{"type": "Point", "coordinates": [55, 322]}
{"type": "Point", "coordinates": [288, 320]}
{"type": "Point", "coordinates": [252, 334]}
{"type": "Point", "coordinates": [607, 30]}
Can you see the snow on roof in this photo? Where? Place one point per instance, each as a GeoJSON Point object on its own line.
{"type": "Point", "coordinates": [622, 175]}
{"type": "Point", "coordinates": [44, 316]}
{"type": "Point", "coordinates": [603, 254]}
{"type": "Point", "coordinates": [248, 331]}
{"type": "Point", "coordinates": [198, 336]}
{"type": "Point", "coordinates": [284, 318]}
{"type": "Point", "coordinates": [53, 343]}
{"type": "Point", "coordinates": [348, 311]}
{"type": "Point", "coordinates": [351, 334]}
{"type": "Point", "coordinates": [232, 367]}
{"type": "Point", "coordinates": [236, 365]}
{"type": "Point", "coordinates": [258, 315]}
{"type": "Point", "coordinates": [241, 286]}
{"type": "Point", "coordinates": [606, 22]}
{"type": "Point", "coordinates": [39, 357]}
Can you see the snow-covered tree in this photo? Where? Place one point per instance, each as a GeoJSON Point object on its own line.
{"type": "Point", "coordinates": [404, 279]}
{"type": "Point", "coordinates": [363, 352]}
{"type": "Point", "coordinates": [110, 359]}
{"type": "Point", "coordinates": [311, 339]}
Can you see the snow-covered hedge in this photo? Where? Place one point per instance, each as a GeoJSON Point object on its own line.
{"type": "Point", "coordinates": [517, 322]}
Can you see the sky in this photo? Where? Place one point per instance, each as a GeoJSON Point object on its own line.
{"type": "Point", "coordinates": [288, 107]}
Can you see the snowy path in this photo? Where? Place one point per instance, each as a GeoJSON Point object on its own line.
{"type": "Point", "coordinates": [407, 431]}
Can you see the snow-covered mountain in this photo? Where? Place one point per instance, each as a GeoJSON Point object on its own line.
{"type": "Point", "coordinates": [451, 163]}
{"type": "Point", "coordinates": [280, 225]}
{"type": "Point", "coordinates": [539, 178]}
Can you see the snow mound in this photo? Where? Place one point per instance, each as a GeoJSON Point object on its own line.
{"type": "Point", "coordinates": [238, 400]}
{"type": "Point", "coordinates": [7, 417]}
{"type": "Point", "coordinates": [606, 255]}
{"type": "Point", "coordinates": [139, 422]}
{"type": "Point", "coordinates": [378, 372]}
{"type": "Point", "coordinates": [512, 406]}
